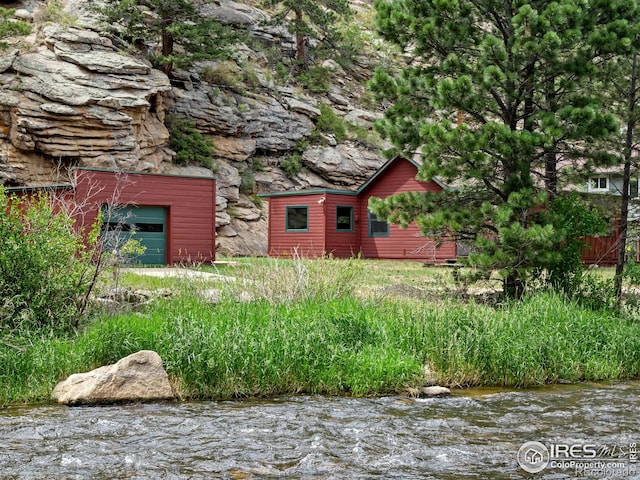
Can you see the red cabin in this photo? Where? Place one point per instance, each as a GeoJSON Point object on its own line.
{"type": "Point", "coordinates": [173, 217]}
{"type": "Point", "coordinates": [313, 223]}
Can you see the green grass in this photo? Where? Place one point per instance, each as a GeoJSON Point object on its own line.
{"type": "Point", "coordinates": [306, 329]}
{"type": "Point", "coordinates": [340, 346]}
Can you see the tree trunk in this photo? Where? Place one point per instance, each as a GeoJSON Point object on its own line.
{"type": "Point", "coordinates": [550, 156]}
{"type": "Point", "coordinates": [301, 40]}
{"type": "Point", "coordinates": [513, 287]}
{"type": "Point", "coordinates": [551, 173]}
{"type": "Point", "coordinates": [624, 209]}
{"type": "Point", "coordinates": [167, 49]}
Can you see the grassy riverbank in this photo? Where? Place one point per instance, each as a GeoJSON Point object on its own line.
{"type": "Point", "coordinates": [333, 343]}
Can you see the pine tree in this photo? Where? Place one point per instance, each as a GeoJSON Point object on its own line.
{"type": "Point", "coordinates": [514, 73]}
{"type": "Point", "coordinates": [184, 36]}
{"type": "Point", "coordinates": [308, 19]}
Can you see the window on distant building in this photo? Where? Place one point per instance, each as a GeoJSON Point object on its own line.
{"type": "Point", "coordinates": [598, 184]}
{"type": "Point", "coordinates": [344, 219]}
{"type": "Point", "coordinates": [297, 218]}
{"type": "Point", "coordinates": [377, 227]}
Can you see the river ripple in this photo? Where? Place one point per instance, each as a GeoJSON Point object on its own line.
{"type": "Point", "coordinates": [471, 434]}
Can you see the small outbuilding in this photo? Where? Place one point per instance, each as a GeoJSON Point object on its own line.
{"type": "Point", "coordinates": [313, 223]}
{"type": "Point", "coordinates": [173, 217]}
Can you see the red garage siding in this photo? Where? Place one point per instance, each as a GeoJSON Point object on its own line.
{"type": "Point", "coordinates": [189, 202]}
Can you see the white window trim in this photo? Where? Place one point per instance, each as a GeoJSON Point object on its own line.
{"type": "Point", "coordinates": [591, 188]}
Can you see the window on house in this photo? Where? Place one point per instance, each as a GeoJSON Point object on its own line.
{"type": "Point", "coordinates": [344, 219]}
{"type": "Point", "coordinates": [150, 227]}
{"type": "Point", "coordinates": [297, 219]}
{"type": "Point", "coordinates": [598, 184]}
{"type": "Point", "coordinates": [377, 227]}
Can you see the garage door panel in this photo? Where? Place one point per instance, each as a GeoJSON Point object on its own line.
{"type": "Point", "coordinates": [145, 224]}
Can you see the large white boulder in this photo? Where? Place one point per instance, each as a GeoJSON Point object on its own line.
{"type": "Point", "coordinates": [138, 377]}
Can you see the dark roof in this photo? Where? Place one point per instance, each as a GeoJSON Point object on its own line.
{"type": "Point", "coordinates": [38, 188]}
{"type": "Point", "coordinates": [127, 172]}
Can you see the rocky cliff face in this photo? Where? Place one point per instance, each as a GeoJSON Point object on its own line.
{"type": "Point", "coordinates": [68, 97]}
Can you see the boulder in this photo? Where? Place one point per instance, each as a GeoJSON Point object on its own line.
{"type": "Point", "coordinates": [23, 14]}
{"type": "Point", "coordinates": [344, 164]}
{"type": "Point", "coordinates": [138, 377]}
{"type": "Point", "coordinates": [6, 60]}
{"type": "Point", "coordinates": [234, 148]}
{"type": "Point", "coordinates": [434, 391]}
{"type": "Point", "coordinates": [250, 239]}
{"type": "Point", "coordinates": [233, 13]}
{"type": "Point", "coordinates": [296, 105]}
{"type": "Point", "coordinates": [362, 118]}
{"type": "Point", "coordinates": [229, 181]}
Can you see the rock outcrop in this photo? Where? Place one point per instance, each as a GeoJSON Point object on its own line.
{"type": "Point", "coordinates": [69, 97]}
{"type": "Point", "coordinates": [138, 377]}
{"type": "Point", "coordinates": [74, 100]}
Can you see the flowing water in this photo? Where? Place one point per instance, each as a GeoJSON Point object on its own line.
{"type": "Point", "coordinates": [471, 434]}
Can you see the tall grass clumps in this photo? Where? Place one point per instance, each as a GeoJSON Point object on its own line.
{"type": "Point", "coordinates": [543, 339]}
{"type": "Point", "coordinates": [297, 279]}
{"type": "Point", "coordinates": [294, 326]}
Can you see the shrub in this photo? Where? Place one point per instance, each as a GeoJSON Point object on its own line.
{"type": "Point", "coordinates": [10, 27]}
{"type": "Point", "coordinates": [45, 265]}
{"type": "Point", "coordinates": [573, 218]}
{"type": "Point", "coordinates": [292, 165]}
{"type": "Point", "coordinates": [225, 74]}
{"type": "Point", "coordinates": [330, 122]}
{"type": "Point", "coordinates": [315, 79]}
{"type": "Point", "coordinates": [367, 138]}
{"type": "Point", "coordinates": [247, 182]}
{"type": "Point", "coordinates": [189, 144]}
{"type": "Point", "coordinates": [54, 12]}
{"type": "Point", "coordinates": [258, 165]}
{"type": "Point", "coordinates": [282, 73]}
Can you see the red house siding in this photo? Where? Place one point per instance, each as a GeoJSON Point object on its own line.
{"type": "Point", "coordinates": [190, 203]}
{"type": "Point", "coordinates": [283, 243]}
{"type": "Point", "coordinates": [342, 244]}
{"type": "Point", "coordinates": [407, 243]}
{"type": "Point", "coordinates": [323, 237]}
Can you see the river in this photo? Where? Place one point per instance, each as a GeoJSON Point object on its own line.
{"type": "Point", "coordinates": [474, 433]}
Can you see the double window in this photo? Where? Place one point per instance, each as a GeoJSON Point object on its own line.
{"type": "Point", "coordinates": [598, 184]}
{"type": "Point", "coordinates": [297, 218]}
{"type": "Point", "coordinates": [377, 227]}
